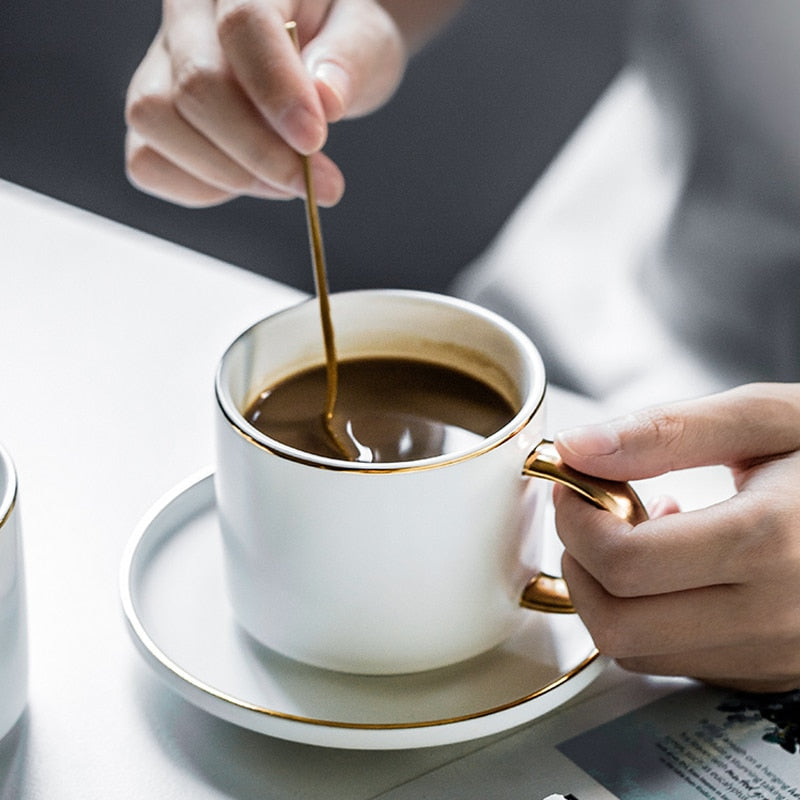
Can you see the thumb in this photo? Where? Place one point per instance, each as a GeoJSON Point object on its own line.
{"type": "Point", "coordinates": [730, 428]}
{"type": "Point", "coordinates": [354, 74]}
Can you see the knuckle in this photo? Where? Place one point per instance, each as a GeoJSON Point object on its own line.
{"type": "Point", "coordinates": [620, 580]}
{"type": "Point", "coordinates": [607, 632]}
{"type": "Point", "coordinates": [137, 164]}
{"type": "Point", "coordinates": [616, 570]}
{"type": "Point", "coordinates": [666, 430]}
{"type": "Point", "coordinates": [145, 111]}
{"type": "Point", "coordinates": [143, 168]}
{"type": "Point", "coordinates": [758, 538]}
{"type": "Point", "coordinates": [606, 621]}
{"type": "Point", "coordinates": [234, 17]}
{"type": "Point", "coordinates": [196, 82]}
{"type": "Point", "coordinates": [764, 543]}
{"type": "Point", "coordinates": [783, 618]}
{"type": "Point", "coordinates": [768, 399]}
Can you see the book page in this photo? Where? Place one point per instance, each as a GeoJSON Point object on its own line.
{"type": "Point", "coordinates": [642, 738]}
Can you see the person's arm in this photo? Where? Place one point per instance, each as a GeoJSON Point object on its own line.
{"type": "Point", "coordinates": [711, 594]}
{"type": "Point", "coordinates": [222, 101]}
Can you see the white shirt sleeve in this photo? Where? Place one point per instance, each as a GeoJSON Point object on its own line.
{"type": "Point", "coordinates": [648, 263]}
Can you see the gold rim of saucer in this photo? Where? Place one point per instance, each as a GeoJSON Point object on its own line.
{"type": "Point", "coordinates": [10, 498]}
{"type": "Point", "coordinates": [138, 554]}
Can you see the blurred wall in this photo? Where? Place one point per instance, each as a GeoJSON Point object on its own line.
{"type": "Point", "coordinates": [431, 177]}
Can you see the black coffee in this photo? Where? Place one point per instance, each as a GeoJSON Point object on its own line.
{"type": "Point", "coordinates": [393, 409]}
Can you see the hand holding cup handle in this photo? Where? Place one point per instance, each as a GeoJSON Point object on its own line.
{"type": "Point", "coordinates": [549, 593]}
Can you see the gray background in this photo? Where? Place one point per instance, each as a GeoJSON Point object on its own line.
{"type": "Point", "coordinates": [431, 177]}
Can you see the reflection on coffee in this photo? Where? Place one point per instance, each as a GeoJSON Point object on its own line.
{"type": "Point", "coordinates": [395, 409]}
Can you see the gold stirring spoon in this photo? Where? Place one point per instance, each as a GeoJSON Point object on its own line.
{"type": "Point", "coordinates": [342, 439]}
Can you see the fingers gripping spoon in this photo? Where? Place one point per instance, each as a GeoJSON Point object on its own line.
{"type": "Point", "coordinates": [335, 427]}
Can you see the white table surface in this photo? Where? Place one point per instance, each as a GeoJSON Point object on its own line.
{"type": "Point", "coordinates": [109, 340]}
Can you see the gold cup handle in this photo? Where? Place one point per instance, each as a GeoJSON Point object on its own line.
{"type": "Point", "coordinates": [547, 592]}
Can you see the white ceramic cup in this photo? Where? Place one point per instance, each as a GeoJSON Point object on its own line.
{"type": "Point", "coordinates": [13, 627]}
{"type": "Point", "coordinates": [387, 567]}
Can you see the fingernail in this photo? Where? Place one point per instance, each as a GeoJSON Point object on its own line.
{"type": "Point", "coordinates": [338, 81]}
{"type": "Point", "coordinates": [659, 506]}
{"type": "Point", "coordinates": [590, 440]}
{"type": "Point", "coordinates": [297, 184]}
{"type": "Point", "coordinates": [302, 130]}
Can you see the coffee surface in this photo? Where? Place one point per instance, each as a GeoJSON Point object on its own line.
{"type": "Point", "coordinates": [394, 409]}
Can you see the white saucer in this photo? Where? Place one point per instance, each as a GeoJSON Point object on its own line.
{"type": "Point", "coordinates": [174, 598]}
